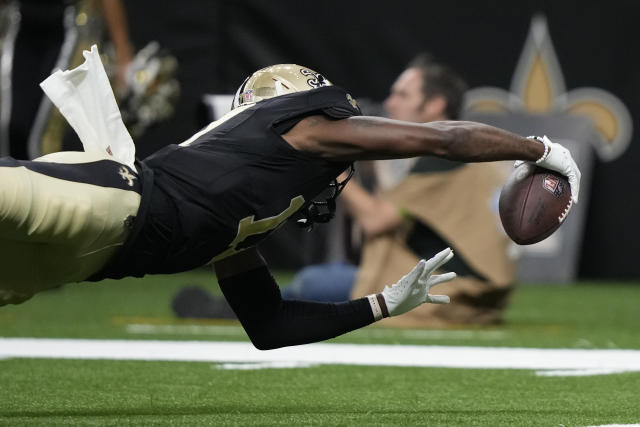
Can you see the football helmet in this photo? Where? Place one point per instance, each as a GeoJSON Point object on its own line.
{"type": "Point", "coordinates": [277, 80]}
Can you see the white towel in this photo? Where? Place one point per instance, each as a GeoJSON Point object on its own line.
{"type": "Point", "coordinates": [85, 99]}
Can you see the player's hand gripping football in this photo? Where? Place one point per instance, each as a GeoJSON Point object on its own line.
{"type": "Point", "coordinates": [413, 289]}
{"type": "Point", "coordinates": [557, 158]}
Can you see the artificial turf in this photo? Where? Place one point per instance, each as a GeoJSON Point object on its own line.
{"type": "Point", "coordinates": [83, 392]}
{"type": "Point", "coordinates": [588, 315]}
{"type": "Point", "coordinates": [66, 392]}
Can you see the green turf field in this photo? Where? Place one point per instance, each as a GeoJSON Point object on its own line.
{"type": "Point", "coordinates": [95, 392]}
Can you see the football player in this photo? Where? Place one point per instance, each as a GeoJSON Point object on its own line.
{"type": "Point", "coordinates": [289, 134]}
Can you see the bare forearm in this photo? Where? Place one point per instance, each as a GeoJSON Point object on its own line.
{"type": "Point", "coordinates": [117, 23]}
{"type": "Point", "coordinates": [461, 141]}
{"type": "Point", "coordinates": [375, 215]}
{"type": "Point", "coordinates": [116, 19]}
{"type": "Point", "coordinates": [477, 142]}
{"type": "Point", "coordinates": [367, 138]}
{"type": "Point", "coordinates": [358, 202]}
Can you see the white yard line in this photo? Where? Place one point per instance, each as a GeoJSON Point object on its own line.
{"type": "Point", "coordinates": [563, 362]}
{"type": "Point", "coordinates": [438, 334]}
{"type": "Point", "coordinates": [263, 365]}
{"type": "Point", "coordinates": [232, 330]}
{"type": "Point", "coordinates": [618, 425]}
{"type": "Point", "coordinates": [151, 329]}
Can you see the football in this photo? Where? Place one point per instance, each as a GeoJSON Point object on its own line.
{"type": "Point", "coordinates": [534, 202]}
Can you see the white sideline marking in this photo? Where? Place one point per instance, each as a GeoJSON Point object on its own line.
{"type": "Point", "coordinates": [230, 330]}
{"type": "Point", "coordinates": [590, 362]}
{"type": "Point", "coordinates": [617, 425]}
{"type": "Point", "coordinates": [579, 372]}
{"type": "Point", "coordinates": [263, 365]}
{"type": "Point", "coordinates": [150, 329]}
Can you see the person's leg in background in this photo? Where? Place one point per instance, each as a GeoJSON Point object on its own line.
{"type": "Point", "coordinates": [324, 283]}
{"type": "Point", "coordinates": [320, 283]}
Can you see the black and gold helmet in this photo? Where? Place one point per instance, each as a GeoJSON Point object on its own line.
{"type": "Point", "coordinates": [277, 80]}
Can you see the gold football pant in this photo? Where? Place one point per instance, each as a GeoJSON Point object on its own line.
{"type": "Point", "coordinates": [62, 217]}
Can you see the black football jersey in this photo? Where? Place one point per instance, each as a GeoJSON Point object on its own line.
{"type": "Point", "coordinates": [231, 184]}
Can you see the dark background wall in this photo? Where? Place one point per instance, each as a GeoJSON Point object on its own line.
{"type": "Point", "coordinates": [363, 45]}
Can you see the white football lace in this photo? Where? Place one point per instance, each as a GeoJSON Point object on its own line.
{"type": "Point", "coordinates": [564, 214]}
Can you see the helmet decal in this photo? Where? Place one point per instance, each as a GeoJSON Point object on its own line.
{"type": "Point", "coordinates": [247, 96]}
{"type": "Point", "coordinates": [318, 79]}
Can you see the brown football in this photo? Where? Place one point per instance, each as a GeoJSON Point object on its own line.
{"type": "Point", "coordinates": [533, 203]}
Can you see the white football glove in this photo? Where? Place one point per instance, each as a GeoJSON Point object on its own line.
{"type": "Point", "coordinates": [557, 158]}
{"type": "Point", "coordinates": [413, 289]}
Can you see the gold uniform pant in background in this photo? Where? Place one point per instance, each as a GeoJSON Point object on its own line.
{"type": "Point", "coordinates": [55, 231]}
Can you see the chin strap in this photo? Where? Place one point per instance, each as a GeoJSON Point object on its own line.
{"type": "Point", "coordinates": [317, 211]}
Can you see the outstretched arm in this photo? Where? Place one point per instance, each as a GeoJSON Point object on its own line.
{"type": "Point", "coordinates": [368, 138]}
{"type": "Point", "coordinates": [362, 138]}
{"type": "Point", "coordinates": [272, 322]}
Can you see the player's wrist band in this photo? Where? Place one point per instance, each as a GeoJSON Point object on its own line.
{"type": "Point", "coordinates": [378, 306]}
{"type": "Point", "coordinates": [547, 148]}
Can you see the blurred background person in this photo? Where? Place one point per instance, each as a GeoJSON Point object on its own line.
{"type": "Point", "coordinates": [421, 206]}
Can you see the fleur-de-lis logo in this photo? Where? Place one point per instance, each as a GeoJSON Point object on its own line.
{"type": "Point", "coordinates": [317, 80]}
{"type": "Point", "coordinates": [127, 176]}
{"type": "Point", "coordinates": [352, 101]}
{"type": "Point", "coordinates": [538, 87]}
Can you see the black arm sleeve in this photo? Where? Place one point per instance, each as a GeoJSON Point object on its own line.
{"type": "Point", "coordinates": [272, 322]}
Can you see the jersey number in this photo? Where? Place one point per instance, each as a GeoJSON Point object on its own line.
{"type": "Point", "coordinates": [248, 227]}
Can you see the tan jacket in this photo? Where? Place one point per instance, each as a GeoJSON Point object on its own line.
{"type": "Point", "coordinates": [457, 204]}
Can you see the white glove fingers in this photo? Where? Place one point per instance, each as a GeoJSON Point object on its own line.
{"type": "Point", "coordinates": [437, 260]}
{"type": "Point", "coordinates": [418, 269]}
{"type": "Point", "coordinates": [442, 278]}
{"type": "Point", "coordinates": [445, 260]}
{"type": "Point", "coordinates": [415, 272]}
{"type": "Point", "coordinates": [560, 160]}
{"type": "Point", "coordinates": [574, 182]}
{"type": "Point", "coordinates": [439, 299]}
